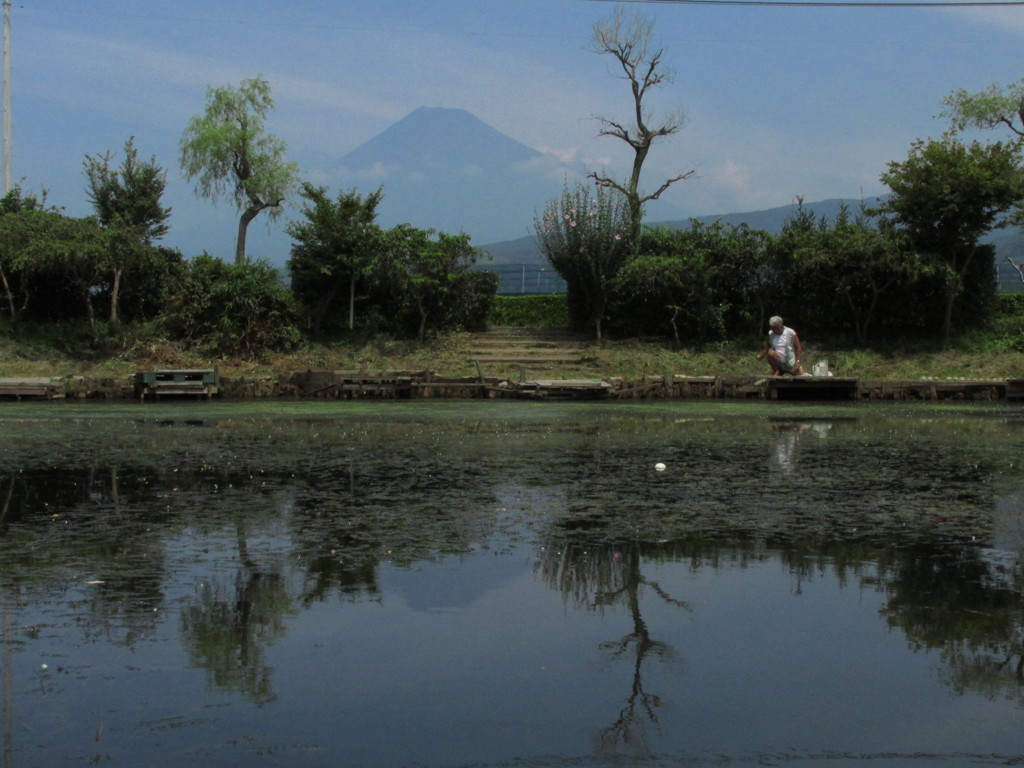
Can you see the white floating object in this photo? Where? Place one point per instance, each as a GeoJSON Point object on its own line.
{"type": "Point", "coordinates": [660, 467]}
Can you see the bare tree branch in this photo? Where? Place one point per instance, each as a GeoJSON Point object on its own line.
{"type": "Point", "coordinates": [628, 41]}
{"type": "Point", "coordinates": [1018, 267]}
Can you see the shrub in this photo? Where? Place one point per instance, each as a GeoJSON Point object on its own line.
{"type": "Point", "coordinates": [530, 311]}
{"type": "Point", "coordinates": [474, 299]}
{"type": "Point", "coordinates": [232, 309]}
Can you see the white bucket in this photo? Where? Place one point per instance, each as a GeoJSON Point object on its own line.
{"type": "Point", "coordinates": [820, 369]}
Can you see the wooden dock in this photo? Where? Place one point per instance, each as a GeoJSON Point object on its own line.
{"type": "Point", "coordinates": [828, 388]}
{"type": "Point", "coordinates": [354, 384]}
{"type": "Point", "coordinates": [561, 389]}
{"type": "Point", "coordinates": [35, 388]}
{"type": "Point", "coordinates": [811, 388]}
{"type": "Point", "coordinates": [1015, 390]}
{"type": "Point", "coordinates": [348, 385]}
{"type": "Point", "coordinates": [168, 382]}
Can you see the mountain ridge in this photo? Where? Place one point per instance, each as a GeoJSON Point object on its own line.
{"type": "Point", "coordinates": [427, 131]}
{"type": "Point", "coordinates": [445, 169]}
{"type": "Point", "coordinates": [524, 250]}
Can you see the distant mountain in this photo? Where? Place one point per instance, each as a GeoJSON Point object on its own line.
{"type": "Point", "coordinates": [524, 250]}
{"type": "Point", "coordinates": [1008, 242]}
{"type": "Point", "coordinates": [772, 219]}
{"type": "Point", "coordinates": [446, 169]}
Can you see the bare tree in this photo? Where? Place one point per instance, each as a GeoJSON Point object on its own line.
{"type": "Point", "coordinates": [629, 40]}
{"type": "Point", "coordinates": [1018, 267]}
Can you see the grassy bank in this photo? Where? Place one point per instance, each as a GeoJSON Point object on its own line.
{"type": "Point", "coordinates": [977, 356]}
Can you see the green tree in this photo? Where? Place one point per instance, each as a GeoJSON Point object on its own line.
{"type": "Point", "coordinates": [843, 273]}
{"type": "Point", "coordinates": [428, 272]}
{"type": "Point", "coordinates": [867, 263]}
{"type": "Point", "coordinates": [674, 275]}
{"type": "Point", "coordinates": [15, 235]}
{"type": "Point", "coordinates": [78, 250]}
{"type": "Point", "coordinates": [630, 42]}
{"type": "Point", "coordinates": [992, 108]}
{"type": "Point", "coordinates": [127, 203]}
{"type": "Point", "coordinates": [230, 154]}
{"type": "Point", "coordinates": [945, 196]}
{"type": "Point", "coordinates": [586, 239]}
{"type": "Point", "coordinates": [704, 282]}
{"type": "Point", "coordinates": [338, 243]}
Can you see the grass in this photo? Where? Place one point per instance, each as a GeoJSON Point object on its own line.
{"type": "Point", "coordinates": [57, 352]}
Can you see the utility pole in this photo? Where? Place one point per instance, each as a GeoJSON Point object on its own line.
{"type": "Point", "coordinates": [7, 97]}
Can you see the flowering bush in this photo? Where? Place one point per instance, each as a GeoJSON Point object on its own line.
{"type": "Point", "coordinates": [582, 235]}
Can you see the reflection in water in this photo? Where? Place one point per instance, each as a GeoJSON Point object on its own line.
{"type": "Point", "coordinates": [602, 576]}
{"type": "Point", "coordinates": [786, 441]}
{"type": "Point", "coordinates": [257, 547]}
{"type": "Point", "coordinates": [952, 601]}
{"type": "Point", "coordinates": [228, 629]}
{"type": "Point", "coordinates": [783, 457]}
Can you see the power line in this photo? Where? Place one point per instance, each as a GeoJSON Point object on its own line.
{"type": "Point", "coordinates": [840, 3]}
{"type": "Point", "coordinates": [5, 181]}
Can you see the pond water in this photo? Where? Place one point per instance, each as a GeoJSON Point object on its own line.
{"type": "Point", "coordinates": [511, 585]}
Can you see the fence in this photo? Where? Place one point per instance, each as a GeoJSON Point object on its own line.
{"type": "Point", "coordinates": [534, 279]}
{"type": "Point", "coordinates": [525, 279]}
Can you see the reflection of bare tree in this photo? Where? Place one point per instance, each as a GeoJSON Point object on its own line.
{"type": "Point", "coordinates": [613, 575]}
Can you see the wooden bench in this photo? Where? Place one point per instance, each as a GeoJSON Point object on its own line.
{"type": "Point", "coordinates": [176, 383]}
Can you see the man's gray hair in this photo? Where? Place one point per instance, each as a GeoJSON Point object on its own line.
{"type": "Point", "coordinates": [774, 321]}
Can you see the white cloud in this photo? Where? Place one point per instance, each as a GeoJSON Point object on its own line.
{"type": "Point", "coordinates": [376, 173]}
{"type": "Point", "coordinates": [564, 154]}
{"type": "Point", "coordinates": [732, 176]}
{"type": "Point", "coordinates": [1002, 19]}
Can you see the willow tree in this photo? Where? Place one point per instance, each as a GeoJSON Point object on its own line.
{"type": "Point", "coordinates": [992, 108]}
{"type": "Point", "coordinates": [229, 153]}
{"type": "Point", "coordinates": [629, 41]}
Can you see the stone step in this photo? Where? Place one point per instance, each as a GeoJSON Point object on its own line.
{"type": "Point", "coordinates": [488, 344]}
{"type": "Point", "coordinates": [534, 347]}
{"type": "Point", "coordinates": [532, 334]}
{"type": "Point", "coordinates": [523, 359]}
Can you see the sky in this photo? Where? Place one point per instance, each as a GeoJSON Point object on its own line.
{"type": "Point", "coordinates": [779, 102]}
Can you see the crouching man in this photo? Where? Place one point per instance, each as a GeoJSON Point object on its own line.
{"type": "Point", "coordinates": [784, 351]}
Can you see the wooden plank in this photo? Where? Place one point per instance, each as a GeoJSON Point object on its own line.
{"type": "Point", "coordinates": [34, 387]}
{"type": "Point", "coordinates": [568, 384]}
